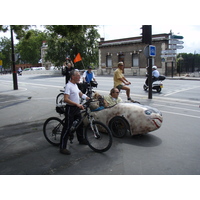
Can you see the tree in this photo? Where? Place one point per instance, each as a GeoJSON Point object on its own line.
{"type": "Point", "coordinates": [29, 47]}
{"type": "Point", "coordinates": [5, 53]}
{"type": "Point", "coordinates": [188, 62]}
{"type": "Point", "coordinates": [19, 30]}
{"type": "Point", "coordinates": [68, 40]}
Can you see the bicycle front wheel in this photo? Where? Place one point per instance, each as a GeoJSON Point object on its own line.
{"type": "Point", "coordinates": [98, 136]}
{"type": "Point", "coordinates": [52, 130]}
{"type": "Point", "coordinates": [60, 99]}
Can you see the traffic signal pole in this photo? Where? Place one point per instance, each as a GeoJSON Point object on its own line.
{"type": "Point", "coordinates": [15, 85]}
{"type": "Point", "coordinates": [147, 39]}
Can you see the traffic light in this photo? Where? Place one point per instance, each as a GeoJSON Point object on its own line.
{"type": "Point", "coordinates": [146, 34]}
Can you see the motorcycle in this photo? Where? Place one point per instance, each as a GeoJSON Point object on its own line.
{"type": "Point", "coordinates": [156, 84]}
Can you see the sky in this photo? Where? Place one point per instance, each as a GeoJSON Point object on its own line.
{"type": "Point", "coordinates": [190, 33]}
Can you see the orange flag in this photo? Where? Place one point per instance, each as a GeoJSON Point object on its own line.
{"type": "Point", "coordinates": [77, 58]}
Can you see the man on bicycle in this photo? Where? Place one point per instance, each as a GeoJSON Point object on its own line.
{"type": "Point", "coordinates": [88, 75]}
{"type": "Point", "coordinates": [72, 111]}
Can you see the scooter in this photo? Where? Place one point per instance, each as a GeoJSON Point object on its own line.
{"type": "Point", "coordinates": [156, 85]}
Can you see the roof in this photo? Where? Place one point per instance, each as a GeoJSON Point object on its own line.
{"type": "Point", "coordinates": [132, 40]}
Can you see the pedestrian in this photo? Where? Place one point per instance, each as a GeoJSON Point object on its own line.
{"type": "Point", "coordinates": [113, 98]}
{"type": "Point", "coordinates": [72, 111]}
{"type": "Point", "coordinates": [88, 75]}
{"type": "Point", "coordinates": [121, 82]}
{"type": "Point", "coordinates": [68, 66]}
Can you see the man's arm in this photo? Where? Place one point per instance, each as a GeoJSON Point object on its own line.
{"type": "Point", "coordinates": [67, 100]}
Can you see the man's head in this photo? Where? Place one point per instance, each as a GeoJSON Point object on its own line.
{"type": "Point", "coordinates": [154, 67]}
{"type": "Point", "coordinates": [89, 68]}
{"type": "Point", "coordinates": [120, 65]}
{"type": "Point", "coordinates": [75, 76]}
{"type": "Point", "coordinates": [114, 92]}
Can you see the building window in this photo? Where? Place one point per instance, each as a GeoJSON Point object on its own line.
{"type": "Point", "coordinates": [109, 61]}
{"type": "Point", "coordinates": [121, 57]}
{"type": "Point", "coordinates": [135, 60]}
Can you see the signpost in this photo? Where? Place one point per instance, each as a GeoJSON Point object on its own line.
{"type": "Point", "coordinates": [168, 51]}
{"type": "Point", "coordinates": [168, 56]}
{"type": "Point", "coordinates": [174, 44]}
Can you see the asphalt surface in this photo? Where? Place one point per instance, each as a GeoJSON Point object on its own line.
{"type": "Point", "coordinates": [24, 150]}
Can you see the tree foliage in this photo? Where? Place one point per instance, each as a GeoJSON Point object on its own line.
{"type": "Point", "coordinates": [62, 40]}
{"type": "Point", "coordinates": [68, 40]}
{"type": "Point", "coordinates": [29, 47]}
{"type": "Point", "coordinates": [5, 53]}
{"type": "Point", "coordinates": [188, 62]}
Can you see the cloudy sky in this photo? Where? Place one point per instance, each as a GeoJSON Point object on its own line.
{"type": "Point", "coordinates": [190, 33]}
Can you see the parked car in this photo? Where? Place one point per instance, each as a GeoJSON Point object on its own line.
{"type": "Point", "coordinates": [132, 118]}
{"type": "Point", "coordinates": [38, 68]}
{"type": "Point", "coordinates": [27, 69]}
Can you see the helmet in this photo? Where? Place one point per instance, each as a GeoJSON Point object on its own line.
{"type": "Point", "coordinates": [154, 67]}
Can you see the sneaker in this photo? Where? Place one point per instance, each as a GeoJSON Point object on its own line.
{"type": "Point", "coordinates": [65, 151]}
{"type": "Point", "coordinates": [129, 99]}
{"type": "Point", "coordinates": [84, 141]}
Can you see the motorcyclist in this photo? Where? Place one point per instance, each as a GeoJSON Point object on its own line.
{"type": "Point", "coordinates": [155, 75]}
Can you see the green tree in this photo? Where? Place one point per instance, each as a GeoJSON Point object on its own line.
{"type": "Point", "coordinates": [68, 40]}
{"type": "Point", "coordinates": [29, 47]}
{"type": "Point", "coordinates": [5, 52]}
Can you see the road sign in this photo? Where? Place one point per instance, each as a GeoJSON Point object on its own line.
{"type": "Point", "coordinates": [152, 50]}
{"type": "Point", "coordinates": [168, 56]}
{"type": "Point", "coordinates": [177, 37]}
{"type": "Point", "coordinates": [176, 42]}
{"type": "Point", "coordinates": [168, 51]}
{"type": "Point", "coordinates": [173, 46]}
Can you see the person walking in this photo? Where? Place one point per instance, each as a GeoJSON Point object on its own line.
{"type": "Point", "coordinates": [72, 111]}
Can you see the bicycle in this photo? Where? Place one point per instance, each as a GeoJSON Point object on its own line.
{"type": "Point", "coordinates": [97, 134]}
{"type": "Point", "coordinates": [86, 88]}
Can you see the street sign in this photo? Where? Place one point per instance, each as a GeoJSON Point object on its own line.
{"type": "Point", "coordinates": [177, 37]}
{"type": "Point", "coordinates": [171, 46]}
{"type": "Point", "coordinates": [168, 56]}
{"type": "Point", "coordinates": [152, 50]}
{"type": "Point", "coordinates": [168, 51]}
{"type": "Point", "coordinates": [176, 42]}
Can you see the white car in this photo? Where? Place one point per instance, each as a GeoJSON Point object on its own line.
{"type": "Point", "coordinates": [132, 118]}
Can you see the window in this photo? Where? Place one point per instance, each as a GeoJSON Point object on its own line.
{"type": "Point", "coordinates": [109, 61]}
{"type": "Point", "coordinates": [121, 57]}
{"type": "Point", "coordinates": [135, 60]}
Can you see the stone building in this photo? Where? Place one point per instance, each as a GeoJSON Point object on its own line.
{"type": "Point", "coordinates": [131, 52]}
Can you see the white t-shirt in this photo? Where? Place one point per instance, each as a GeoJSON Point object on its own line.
{"type": "Point", "coordinates": [72, 90]}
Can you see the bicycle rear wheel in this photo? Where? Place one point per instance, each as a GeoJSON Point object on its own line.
{"type": "Point", "coordinates": [98, 136]}
{"type": "Point", "coordinates": [60, 99]}
{"type": "Point", "coordinates": [52, 129]}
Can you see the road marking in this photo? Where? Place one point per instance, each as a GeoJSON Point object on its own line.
{"type": "Point", "coordinates": [178, 108]}
{"type": "Point", "coordinates": [182, 90]}
{"type": "Point", "coordinates": [185, 115]}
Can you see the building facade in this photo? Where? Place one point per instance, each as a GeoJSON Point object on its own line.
{"type": "Point", "coordinates": [131, 52]}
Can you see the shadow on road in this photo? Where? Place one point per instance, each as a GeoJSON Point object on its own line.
{"type": "Point", "coordinates": [147, 140]}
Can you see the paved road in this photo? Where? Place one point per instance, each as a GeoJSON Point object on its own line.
{"type": "Point", "coordinates": [171, 150]}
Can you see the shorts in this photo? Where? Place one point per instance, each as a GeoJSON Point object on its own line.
{"type": "Point", "coordinates": [119, 87]}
